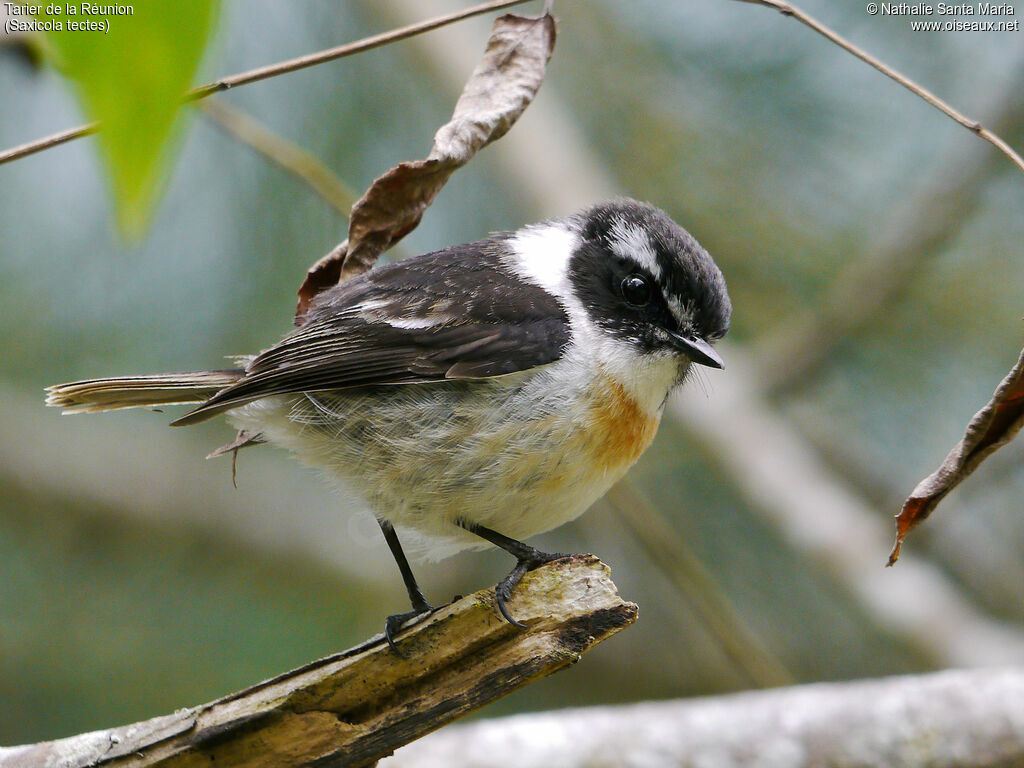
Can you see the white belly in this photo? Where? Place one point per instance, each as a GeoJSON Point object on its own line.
{"type": "Point", "coordinates": [521, 454]}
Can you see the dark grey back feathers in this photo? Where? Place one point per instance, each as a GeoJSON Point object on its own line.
{"type": "Point", "coordinates": [457, 313]}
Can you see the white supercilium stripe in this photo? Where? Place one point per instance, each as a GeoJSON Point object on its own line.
{"type": "Point", "coordinates": [631, 242]}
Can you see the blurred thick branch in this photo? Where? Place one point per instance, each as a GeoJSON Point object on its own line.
{"type": "Point", "coordinates": [359, 705]}
{"type": "Point", "coordinates": [966, 719]}
{"type": "Point", "coordinates": [829, 523]}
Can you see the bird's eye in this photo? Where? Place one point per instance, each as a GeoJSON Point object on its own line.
{"type": "Point", "coordinates": [636, 290]}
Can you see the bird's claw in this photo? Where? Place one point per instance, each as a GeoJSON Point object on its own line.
{"type": "Point", "coordinates": [503, 592]}
{"type": "Point", "coordinates": [394, 623]}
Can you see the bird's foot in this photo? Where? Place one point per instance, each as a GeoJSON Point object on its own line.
{"type": "Point", "coordinates": [526, 561]}
{"type": "Point", "coordinates": [393, 624]}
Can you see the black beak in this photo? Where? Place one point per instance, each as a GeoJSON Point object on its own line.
{"type": "Point", "coordinates": [698, 350]}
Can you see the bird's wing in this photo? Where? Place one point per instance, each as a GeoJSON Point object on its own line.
{"type": "Point", "coordinates": [460, 313]}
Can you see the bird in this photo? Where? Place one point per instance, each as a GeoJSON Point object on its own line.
{"type": "Point", "coordinates": [477, 395]}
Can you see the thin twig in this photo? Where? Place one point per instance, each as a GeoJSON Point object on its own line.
{"type": "Point", "coordinates": [286, 154]}
{"type": "Point", "coordinates": [788, 9]}
{"type": "Point", "coordinates": [283, 67]}
{"type": "Point", "coordinates": [348, 49]}
{"type": "Point", "coordinates": [56, 139]}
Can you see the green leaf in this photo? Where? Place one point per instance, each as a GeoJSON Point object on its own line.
{"type": "Point", "coordinates": [131, 77]}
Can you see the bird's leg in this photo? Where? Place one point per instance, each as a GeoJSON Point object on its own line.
{"type": "Point", "coordinates": [527, 558]}
{"type": "Point", "coordinates": [420, 606]}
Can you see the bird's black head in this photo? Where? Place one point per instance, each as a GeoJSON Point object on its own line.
{"type": "Point", "coordinates": [644, 279]}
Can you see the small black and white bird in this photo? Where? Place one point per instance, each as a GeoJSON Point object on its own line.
{"type": "Point", "coordinates": [480, 394]}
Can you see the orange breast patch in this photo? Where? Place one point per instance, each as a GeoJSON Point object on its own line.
{"type": "Point", "coordinates": [620, 429]}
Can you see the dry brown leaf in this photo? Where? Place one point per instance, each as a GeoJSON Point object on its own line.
{"type": "Point", "coordinates": [992, 427]}
{"type": "Point", "coordinates": [500, 88]}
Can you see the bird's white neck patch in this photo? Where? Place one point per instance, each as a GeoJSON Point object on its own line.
{"type": "Point", "coordinates": [542, 254]}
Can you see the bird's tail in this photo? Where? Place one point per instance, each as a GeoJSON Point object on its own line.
{"type": "Point", "coordinates": [95, 395]}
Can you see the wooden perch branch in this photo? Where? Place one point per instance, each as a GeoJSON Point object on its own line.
{"type": "Point", "coordinates": [355, 707]}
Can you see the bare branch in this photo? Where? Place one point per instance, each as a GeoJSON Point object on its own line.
{"type": "Point", "coordinates": [955, 719]}
{"type": "Point", "coordinates": [354, 707]}
{"type": "Point", "coordinates": [788, 9]}
{"type": "Point", "coordinates": [273, 70]}
{"type": "Point", "coordinates": [53, 140]}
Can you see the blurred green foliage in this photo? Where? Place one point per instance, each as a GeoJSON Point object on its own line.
{"type": "Point", "coordinates": [131, 78]}
{"type": "Point", "coordinates": [76, 632]}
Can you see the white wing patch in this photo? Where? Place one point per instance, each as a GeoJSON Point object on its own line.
{"type": "Point", "coordinates": [368, 307]}
{"type": "Point", "coordinates": [371, 310]}
{"type": "Point", "coordinates": [417, 323]}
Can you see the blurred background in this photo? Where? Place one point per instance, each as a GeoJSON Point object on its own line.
{"type": "Point", "coordinates": [871, 246]}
